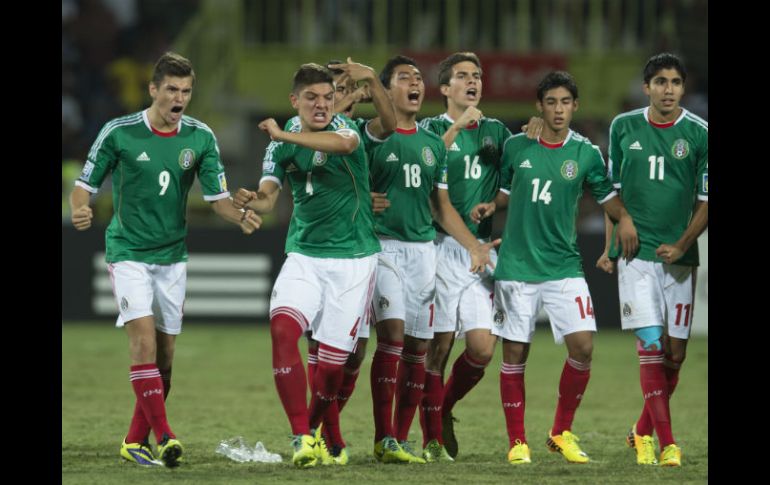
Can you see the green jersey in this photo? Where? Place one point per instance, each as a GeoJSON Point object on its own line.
{"type": "Point", "coordinates": [151, 177]}
{"type": "Point", "coordinates": [407, 166]}
{"type": "Point", "coordinates": [332, 215]}
{"type": "Point", "coordinates": [545, 184]}
{"type": "Point", "coordinates": [473, 162]}
{"type": "Point", "coordinates": [660, 171]}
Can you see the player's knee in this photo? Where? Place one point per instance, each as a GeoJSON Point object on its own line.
{"type": "Point", "coordinates": [650, 337]}
{"type": "Point", "coordinates": [482, 356]}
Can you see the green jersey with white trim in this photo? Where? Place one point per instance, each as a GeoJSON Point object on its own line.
{"type": "Point", "coordinates": [151, 178]}
{"type": "Point", "coordinates": [332, 215]}
{"type": "Point", "coordinates": [660, 171]}
{"type": "Point", "coordinates": [545, 185]}
{"type": "Point", "coordinates": [407, 166]}
{"type": "Point", "coordinates": [473, 162]}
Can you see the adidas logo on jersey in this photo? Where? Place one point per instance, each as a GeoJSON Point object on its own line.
{"type": "Point", "coordinates": [392, 158]}
{"type": "Point", "coordinates": [291, 168]}
{"type": "Point", "coordinates": [525, 164]}
{"type": "Point", "coordinates": [454, 147]}
{"type": "Point", "coordinates": [636, 145]}
{"type": "Point", "coordinates": [143, 157]}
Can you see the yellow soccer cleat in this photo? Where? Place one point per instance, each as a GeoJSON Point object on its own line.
{"type": "Point", "coordinates": [304, 451]}
{"type": "Point", "coordinates": [321, 450]}
{"type": "Point", "coordinates": [387, 450]}
{"type": "Point", "coordinates": [139, 453]}
{"type": "Point", "coordinates": [644, 446]}
{"type": "Point", "coordinates": [566, 444]}
{"type": "Point", "coordinates": [170, 451]}
{"type": "Point", "coordinates": [435, 452]}
{"type": "Point", "coordinates": [671, 456]}
{"type": "Point", "coordinates": [340, 456]}
{"type": "Point", "coordinates": [519, 454]}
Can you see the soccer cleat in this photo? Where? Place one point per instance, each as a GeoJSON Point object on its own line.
{"type": "Point", "coordinates": [413, 457]}
{"type": "Point", "coordinates": [435, 452]}
{"type": "Point", "coordinates": [671, 456]}
{"type": "Point", "coordinates": [448, 434]}
{"type": "Point", "coordinates": [139, 453]}
{"type": "Point", "coordinates": [644, 446]}
{"type": "Point", "coordinates": [170, 451]}
{"type": "Point", "coordinates": [566, 444]}
{"type": "Point", "coordinates": [387, 450]}
{"type": "Point", "coordinates": [304, 451]}
{"type": "Point", "coordinates": [519, 454]}
{"type": "Point", "coordinates": [321, 450]}
{"type": "Point", "coordinates": [340, 455]}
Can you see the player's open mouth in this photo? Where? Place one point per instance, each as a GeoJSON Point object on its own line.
{"type": "Point", "coordinates": [319, 116]}
{"type": "Point", "coordinates": [176, 109]}
{"type": "Point", "coordinates": [414, 97]}
{"type": "Point", "coordinates": [471, 93]}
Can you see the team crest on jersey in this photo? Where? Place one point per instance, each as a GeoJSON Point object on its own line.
{"type": "Point", "coordinates": [428, 157]}
{"type": "Point", "coordinates": [87, 169]}
{"type": "Point", "coordinates": [222, 182]}
{"type": "Point", "coordinates": [626, 310]}
{"type": "Point", "coordinates": [186, 158]}
{"type": "Point", "coordinates": [319, 158]}
{"type": "Point", "coordinates": [384, 303]}
{"type": "Point", "coordinates": [499, 318]}
{"type": "Point", "coordinates": [680, 149]}
{"type": "Point", "coordinates": [569, 169]}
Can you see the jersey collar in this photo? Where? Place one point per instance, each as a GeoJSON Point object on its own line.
{"type": "Point", "coordinates": [556, 145]}
{"type": "Point", "coordinates": [159, 133]}
{"type": "Point", "coordinates": [664, 125]}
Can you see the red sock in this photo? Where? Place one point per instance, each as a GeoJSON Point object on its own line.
{"type": "Point", "coordinates": [139, 430]}
{"type": "Point", "coordinates": [348, 384]}
{"type": "Point", "coordinates": [326, 383]}
{"type": "Point", "coordinates": [409, 391]}
{"type": "Point", "coordinates": [512, 395]}
{"type": "Point", "coordinates": [655, 391]}
{"type": "Point", "coordinates": [645, 425]}
{"type": "Point", "coordinates": [574, 379]}
{"type": "Point", "coordinates": [383, 383]}
{"type": "Point", "coordinates": [430, 411]}
{"type": "Point", "coordinates": [148, 387]}
{"type": "Point", "coordinates": [466, 373]}
{"type": "Point", "coordinates": [288, 371]}
{"type": "Point", "coordinates": [312, 363]}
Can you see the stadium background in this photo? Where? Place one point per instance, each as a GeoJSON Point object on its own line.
{"type": "Point", "coordinates": [245, 52]}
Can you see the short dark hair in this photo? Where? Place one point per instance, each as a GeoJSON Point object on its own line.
{"type": "Point", "coordinates": [337, 71]}
{"type": "Point", "coordinates": [311, 73]}
{"type": "Point", "coordinates": [172, 64]}
{"type": "Point", "coordinates": [664, 60]}
{"type": "Point", "coordinates": [387, 71]}
{"type": "Point", "coordinates": [557, 79]}
{"type": "Point", "coordinates": [445, 68]}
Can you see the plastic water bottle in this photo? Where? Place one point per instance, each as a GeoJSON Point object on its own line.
{"type": "Point", "coordinates": [237, 450]}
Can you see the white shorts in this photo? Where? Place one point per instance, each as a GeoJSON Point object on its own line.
{"type": "Point", "coordinates": [406, 285]}
{"type": "Point", "coordinates": [567, 303]}
{"type": "Point", "coordinates": [656, 294]}
{"type": "Point", "coordinates": [464, 300]}
{"type": "Point", "coordinates": [330, 296]}
{"type": "Point", "coordinates": [143, 289]}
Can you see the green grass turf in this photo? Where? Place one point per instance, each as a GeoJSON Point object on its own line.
{"type": "Point", "coordinates": [223, 387]}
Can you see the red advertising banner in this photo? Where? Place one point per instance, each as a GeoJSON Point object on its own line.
{"type": "Point", "coordinates": [506, 77]}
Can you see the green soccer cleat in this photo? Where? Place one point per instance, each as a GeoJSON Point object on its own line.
{"type": "Point", "coordinates": [519, 454]}
{"type": "Point", "coordinates": [671, 456]}
{"type": "Point", "coordinates": [435, 452]}
{"type": "Point", "coordinates": [448, 434]}
{"type": "Point", "coordinates": [566, 444]}
{"type": "Point", "coordinates": [170, 451]}
{"type": "Point", "coordinates": [387, 450]}
{"type": "Point", "coordinates": [305, 455]}
{"type": "Point", "coordinates": [139, 453]}
{"type": "Point", "coordinates": [644, 446]}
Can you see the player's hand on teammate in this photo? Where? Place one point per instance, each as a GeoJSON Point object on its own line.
{"type": "Point", "coordinates": [533, 128]}
{"type": "Point", "coordinates": [669, 252]}
{"type": "Point", "coordinates": [626, 235]}
{"type": "Point", "coordinates": [250, 221]}
{"type": "Point", "coordinates": [243, 197]}
{"type": "Point", "coordinates": [470, 116]}
{"type": "Point", "coordinates": [605, 264]}
{"type": "Point", "coordinates": [270, 126]}
{"type": "Point", "coordinates": [480, 259]}
{"type": "Point", "coordinates": [380, 202]}
{"type": "Point", "coordinates": [82, 217]}
{"type": "Point", "coordinates": [354, 71]}
{"type": "Point", "coordinates": [482, 211]}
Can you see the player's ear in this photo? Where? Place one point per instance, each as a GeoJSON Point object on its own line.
{"type": "Point", "coordinates": [646, 89]}
{"type": "Point", "coordinates": [539, 107]}
{"type": "Point", "coordinates": [294, 100]}
{"type": "Point", "coordinates": [576, 105]}
{"type": "Point", "coordinates": [444, 88]}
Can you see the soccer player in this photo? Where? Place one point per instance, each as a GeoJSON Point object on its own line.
{"type": "Point", "coordinates": [539, 264]}
{"type": "Point", "coordinates": [154, 156]}
{"type": "Point", "coordinates": [410, 167]}
{"type": "Point", "coordinates": [327, 279]}
{"type": "Point", "coordinates": [659, 162]}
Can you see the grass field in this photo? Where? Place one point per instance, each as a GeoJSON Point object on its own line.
{"type": "Point", "coordinates": [223, 387]}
